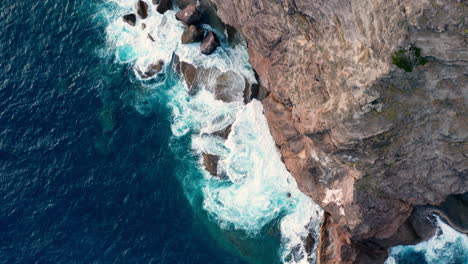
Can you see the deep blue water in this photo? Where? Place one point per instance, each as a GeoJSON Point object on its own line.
{"type": "Point", "coordinates": [84, 178]}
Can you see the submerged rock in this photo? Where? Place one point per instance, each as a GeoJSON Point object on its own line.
{"type": "Point", "coordinates": [192, 34]}
{"type": "Point", "coordinates": [189, 15]}
{"type": "Point", "coordinates": [155, 2]}
{"type": "Point", "coordinates": [142, 9]}
{"type": "Point", "coordinates": [163, 6]}
{"type": "Point", "coordinates": [211, 163]}
{"type": "Point", "coordinates": [209, 43]}
{"type": "Point", "coordinates": [130, 19]}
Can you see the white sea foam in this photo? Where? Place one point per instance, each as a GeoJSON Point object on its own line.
{"type": "Point", "coordinates": [259, 190]}
{"type": "Point", "coordinates": [447, 246]}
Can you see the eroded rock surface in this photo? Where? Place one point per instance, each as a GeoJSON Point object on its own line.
{"type": "Point", "coordinates": [366, 132]}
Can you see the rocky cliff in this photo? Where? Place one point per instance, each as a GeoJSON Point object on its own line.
{"type": "Point", "coordinates": [367, 105]}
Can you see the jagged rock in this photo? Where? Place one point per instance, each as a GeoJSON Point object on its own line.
{"type": "Point", "coordinates": [184, 3]}
{"type": "Point", "coordinates": [309, 244]}
{"type": "Point", "coordinates": [192, 34]}
{"type": "Point", "coordinates": [130, 19]}
{"type": "Point", "coordinates": [211, 163]}
{"type": "Point", "coordinates": [229, 86]}
{"type": "Point", "coordinates": [224, 133]}
{"type": "Point", "coordinates": [189, 15]}
{"type": "Point", "coordinates": [209, 44]}
{"type": "Point", "coordinates": [152, 70]}
{"type": "Point", "coordinates": [163, 6]}
{"type": "Point", "coordinates": [142, 9]}
{"type": "Point", "coordinates": [348, 122]}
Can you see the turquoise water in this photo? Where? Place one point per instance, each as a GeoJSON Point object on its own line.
{"type": "Point", "coordinates": [99, 166]}
{"type": "Point", "coordinates": [259, 200]}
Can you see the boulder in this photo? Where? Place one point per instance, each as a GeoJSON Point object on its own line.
{"type": "Point", "coordinates": [229, 86]}
{"type": "Point", "coordinates": [142, 9]}
{"type": "Point", "coordinates": [184, 3]}
{"type": "Point", "coordinates": [192, 34]}
{"type": "Point", "coordinates": [190, 73]}
{"type": "Point", "coordinates": [152, 70]}
{"type": "Point", "coordinates": [209, 43]}
{"type": "Point", "coordinates": [163, 6]}
{"type": "Point", "coordinates": [143, 26]}
{"type": "Point", "coordinates": [189, 15]}
{"type": "Point", "coordinates": [211, 163]}
{"type": "Point", "coordinates": [130, 19]}
{"type": "Point", "coordinates": [150, 37]}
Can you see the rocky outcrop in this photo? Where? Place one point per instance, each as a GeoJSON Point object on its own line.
{"type": "Point", "coordinates": [151, 71]}
{"type": "Point", "coordinates": [209, 44]}
{"type": "Point", "coordinates": [189, 15]}
{"type": "Point", "coordinates": [211, 163]}
{"type": "Point", "coordinates": [130, 19]}
{"type": "Point", "coordinates": [367, 104]}
{"type": "Point", "coordinates": [163, 6]}
{"type": "Point", "coordinates": [142, 9]}
{"type": "Point", "coordinates": [192, 34]}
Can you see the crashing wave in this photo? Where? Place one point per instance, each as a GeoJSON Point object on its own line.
{"type": "Point", "coordinates": [257, 189]}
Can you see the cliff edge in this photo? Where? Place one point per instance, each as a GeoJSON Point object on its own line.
{"type": "Point", "coordinates": [367, 105]}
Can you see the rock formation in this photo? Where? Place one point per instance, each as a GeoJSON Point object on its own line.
{"type": "Point", "coordinates": [163, 6]}
{"type": "Point", "coordinates": [367, 104]}
{"type": "Point", "coordinates": [142, 9]}
{"type": "Point", "coordinates": [189, 15]}
{"type": "Point", "coordinates": [130, 19]}
{"type": "Point", "coordinates": [192, 34]}
{"type": "Point", "coordinates": [209, 44]}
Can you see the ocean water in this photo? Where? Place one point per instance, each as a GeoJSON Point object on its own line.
{"type": "Point", "coordinates": [99, 166]}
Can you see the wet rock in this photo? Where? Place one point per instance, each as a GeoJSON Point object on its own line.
{"type": "Point", "coordinates": [211, 163]}
{"type": "Point", "coordinates": [309, 244]}
{"type": "Point", "coordinates": [209, 44]}
{"type": "Point", "coordinates": [189, 72]}
{"type": "Point", "coordinates": [163, 6]}
{"type": "Point", "coordinates": [224, 133]}
{"type": "Point", "coordinates": [229, 86]}
{"type": "Point", "coordinates": [192, 34]}
{"type": "Point", "coordinates": [130, 19]}
{"type": "Point", "coordinates": [155, 2]}
{"type": "Point", "coordinates": [184, 3]}
{"type": "Point", "coordinates": [150, 37]}
{"type": "Point", "coordinates": [152, 70]}
{"type": "Point", "coordinates": [143, 26]}
{"type": "Point", "coordinates": [142, 9]}
{"type": "Point", "coordinates": [189, 15]}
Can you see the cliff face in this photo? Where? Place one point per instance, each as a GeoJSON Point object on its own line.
{"type": "Point", "coordinates": [367, 105]}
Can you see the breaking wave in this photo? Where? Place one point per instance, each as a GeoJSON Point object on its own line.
{"type": "Point", "coordinates": [254, 189]}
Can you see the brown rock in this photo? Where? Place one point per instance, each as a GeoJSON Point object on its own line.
{"type": "Point", "coordinates": [152, 70]}
{"type": "Point", "coordinates": [211, 163]}
{"type": "Point", "coordinates": [142, 9]}
{"type": "Point", "coordinates": [192, 34]}
{"type": "Point", "coordinates": [130, 19]}
{"type": "Point", "coordinates": [224, 133]}
{"type": "Point", "coordinates": [345, 118]}
{"type": "Point", "coordinates": [209, 44]}
{"type": "Point", "coordinates": [163, 6]}
{"type": "Point", "coordinates": [189, 15]}
{"type": "Point", "coordinates": [184, 3]}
